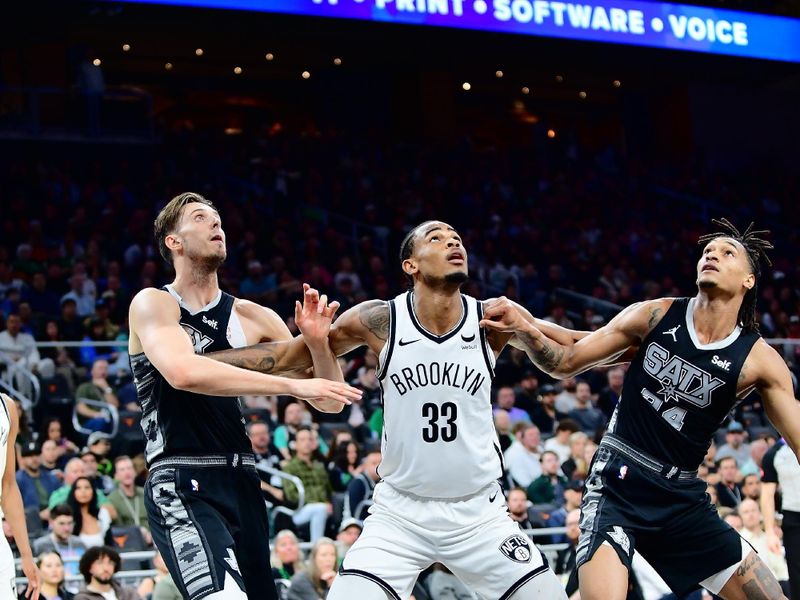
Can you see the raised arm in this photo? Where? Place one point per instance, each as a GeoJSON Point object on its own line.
{"type": "Point", "coordinates": [774, 383]}
{"type": "Point", "coordinates": [155, 330]}
{"type": "Point", "coordinates": [568, 353]}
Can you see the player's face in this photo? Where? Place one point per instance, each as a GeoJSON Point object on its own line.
{"type": "Point", "coordinates": [201, 235]}
{"type": "Point", "coordinates": [439, 254]}
{"type": "Point", "coordinates": [52, 569]}
{"type": "Point", "coordinates": [724, 265]}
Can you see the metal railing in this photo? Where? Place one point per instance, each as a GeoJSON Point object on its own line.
{"type": "Point", "coordinates": [14, 369]}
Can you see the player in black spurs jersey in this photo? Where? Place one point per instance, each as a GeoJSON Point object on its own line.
{"type": "Point", "coordinates": [203, 496]}
{"type": "Point", "coordinates": [696, 357]}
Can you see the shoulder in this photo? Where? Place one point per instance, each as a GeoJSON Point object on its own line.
{"type": "Point", "coordinates": [150, 299]}
{"type": "Point", "coordinates": [268, 324]}
{"type": "Point", "coordinates": [250, 310]}
{"type": "Point", "coordinates": [764, 365]}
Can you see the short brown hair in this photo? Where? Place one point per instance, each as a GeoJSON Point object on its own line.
{"type": "Point", "coordinates": [168, 218]}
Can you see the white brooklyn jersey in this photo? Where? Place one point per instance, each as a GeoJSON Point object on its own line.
{"type": "Point", "coordinates": [439, 439]}
{"type": "Point", "coordinates": [5, 431]}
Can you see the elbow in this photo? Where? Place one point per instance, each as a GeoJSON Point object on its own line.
{"type": "Point", "coordinates": [329, 406]}
{"type": "Point", "coordinates": [181, 378]}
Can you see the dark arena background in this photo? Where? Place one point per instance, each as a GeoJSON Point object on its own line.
{"type": "Point", "coordinates": [579, 158]}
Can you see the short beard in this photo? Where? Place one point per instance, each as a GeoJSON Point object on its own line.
{"type": "Point", "coordinates": [707, 285]}
{"type": "Point", "coordinates": [103, 581]}
{"type": "Point", "coordinates": [458, 278]}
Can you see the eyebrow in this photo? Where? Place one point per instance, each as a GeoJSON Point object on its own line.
{"type": "Point", "coordinates": [721, 241]}
{"type": "Point", "coordinates": [200, 208]}
{"type": "Point", "coordinates": [437, 228]}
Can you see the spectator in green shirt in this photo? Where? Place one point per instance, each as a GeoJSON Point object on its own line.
{"type": "Point", "coordinates": [316, 484]}
{"type": "Point", "coordinates": [74, 469]}
{"type": "Point", "coordinates": [549, 486]}
{"type": "Point", "coordinates": [128, 498]}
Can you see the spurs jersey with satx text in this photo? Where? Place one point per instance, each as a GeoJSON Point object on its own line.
{"type": "Point", "coordinates": [439, 439]}
{"type": "Point", "coordinates": [177, 422]}
{"type": "Point", "coordinates": [678, 391]}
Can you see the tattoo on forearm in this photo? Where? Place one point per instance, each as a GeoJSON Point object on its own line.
{"type": "Point", "coordinates": [375, 317]}
{"type": "Point", "coordinates": [655, 313]}
{"type": "Point", "coordinates": [548, 357]}
{"type": "Point", "coordinates": [763, 585]}
{"type": "Point", "coordinates": [260, 357]}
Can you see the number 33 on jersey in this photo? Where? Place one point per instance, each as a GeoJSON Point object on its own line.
{"type": "Point", "coordinates": [439, 439]}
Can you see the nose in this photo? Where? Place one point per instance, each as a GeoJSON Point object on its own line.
{"type": "Point", "coordinates": [453, 243]}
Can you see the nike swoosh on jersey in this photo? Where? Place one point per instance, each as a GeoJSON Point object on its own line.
{"type": "Point", "coordinates": [405, 343]}
{"type": "Point", "coordinates": [491, 498]}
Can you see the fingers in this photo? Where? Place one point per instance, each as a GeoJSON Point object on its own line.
{"type": "Point", "coordinates": [298, 310]}
{"type": "Point", "coordinates": [493, 325]}
{"type": "Point", "coordinates": [323, 302]}
{"type": "Point", "coordinates": [331, 309]}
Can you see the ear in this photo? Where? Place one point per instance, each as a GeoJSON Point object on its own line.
{"type": "Point", "coordinates": [172, 241]}
{"type": "Point", "coordinates": [750, 281]}
{"type": "Point", "coordinates": [410, 267]}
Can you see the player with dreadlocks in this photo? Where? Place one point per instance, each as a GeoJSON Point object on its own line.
{"type": "Point", "coordinates": [696, 358]}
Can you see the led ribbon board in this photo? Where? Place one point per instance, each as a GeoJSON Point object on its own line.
{"type": "Point", "coordinates": [654, 24]}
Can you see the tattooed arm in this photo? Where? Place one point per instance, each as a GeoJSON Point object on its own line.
{"type": "Point", "coordinates": [366, 323]}
{"type": "Point", "coordinates": [567, 356]}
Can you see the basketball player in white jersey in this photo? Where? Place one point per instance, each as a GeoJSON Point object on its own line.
{"type": "Point", "coordinates": [439, 499]}
{"type": "Point", "coordinates": [13, 511]}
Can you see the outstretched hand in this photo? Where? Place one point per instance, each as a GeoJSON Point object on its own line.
{"type": "Point", "coordinates": [500, 314]}
{"type": "Point", "coordinates": [314, 316]}
{"type": "Point", "coordinates": [324, 389]}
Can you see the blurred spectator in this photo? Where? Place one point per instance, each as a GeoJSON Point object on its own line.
{"type": "Point", "coordinates": [577, 451]}
{"type": "Point", "coordinates": [505, 401]}
{"type": "Point", "coordinates": [728, 489]}
{"type": "Point", "coordinates": [317, 485]}
{"type": "Point", "coordinates": [349, 531]}
{"type": "Point", "coordinates": [345, 465]}
{"type": "Point", "coordinates": [565, 563]}
{"type": "Point", "coordinates": [315, 582]}
{"type": "Point", "coordinates": [522, 458]}
{"type": "Point", "coordinates": [753, 532]}
{"type": "Point", "coordinates": [267, 457]}
{"type": "Point", "coordinates": [571, 500]}
{"type": "Point", "coordinates": [49, 459]}
{"type": "Point", "coordinates": [584, 414]}
{"type": "Point", "coordinates": [518, 507]}
{"type": "Point", "coordinates": [545, 415]}
{"type": "Point", "coordinates": [164, 587]}
{"type": "Point", "coordinates": [43, 299]}
{"type": "Point", "coordinates": [286, 559]}
{"type": "Point", "coordinates": [99, 390]}
{"type": "Point", "coordinates": [502, 424]}
{"type": "Point", "coordinates": [53, 430]}
{"type": "Point", "coordinates": [70, 325]}
{"type": "Point", "coordinates": [549, 486]}
{"type": "Point", "coordinates": [61, 539]}
{"type": "Point", "coordinates": [758, 448]}
{"type": "Point", "coordinates": [91, 520]}
{"type": "Point", "coordinates": [362, 486]}
{"type": "Point", "coordinates": [257, 286]}
{"type": "Point", "coordinates": [96, 332]}
{"type": "Point", "coordinates": [443, 585]}
{"type": "Point", "coordinates": [51, 568]}
{"type": "Point", "coordinates": [527, 391]}
{"type": "Point", "coordinates": [559, 443]}
{"type": "Point", "coordinates": [751, 487]}
{"type": "Point", "coordinates": [21, 349]}
{"type": "Point", "coordinates": [609, 396]}
{"type": "Point", "coordinates": [62, 358]}
{"type": "Point", "coordinates": [735, 446]}
{"type": "Point", "coordinates": [83, 293]}
{"type": "Point", "coordinates": [713, 498]}
{"type": "Point", "coordinates": [98, 567]}
{"type": "Point", "coordinates": [128, 498]}
{"type": "Point", "coordinates": [35, 484]}
{"type": "Point", "coordinates": [566, 400]}
{"type": "Point", "coordinates": [284, 434]}
{"type": "Point", "coordinates": [97, 466]}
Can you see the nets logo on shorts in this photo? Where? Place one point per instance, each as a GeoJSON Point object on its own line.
{"type": "Point", "coordinates": [517, 548]}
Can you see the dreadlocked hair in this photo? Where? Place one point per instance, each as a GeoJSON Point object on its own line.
{"type": "Point", "coordinates": [756, 248]}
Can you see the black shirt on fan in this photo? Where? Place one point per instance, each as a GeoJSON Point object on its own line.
{"type": "Point", "coordinates": [678, 392]}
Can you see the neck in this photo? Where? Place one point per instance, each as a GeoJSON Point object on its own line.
{"type": "Point", "coordinates": [32, 472]}
{"type": "Point", "coordinates": [49, 589]}
{"type": "Point", "coordinates": [304, 457]}
{"type": "Point", "coordinates": [129, 489]}
{"type": "Point", "coordinates": [715, 316]}
{"type": "Point", "coordinates": [438, 309]}
{"type": "Point", "coordinates": [96, 586]}
{"type": "Point", "coordinates": [196, 288]}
